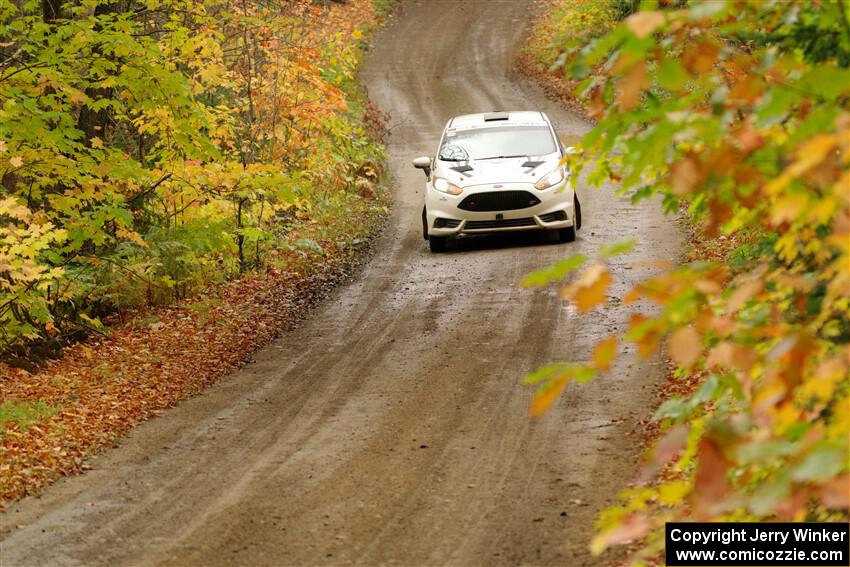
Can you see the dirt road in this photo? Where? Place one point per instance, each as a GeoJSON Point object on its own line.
{"type": "Point", "coordinates": [391, 428]}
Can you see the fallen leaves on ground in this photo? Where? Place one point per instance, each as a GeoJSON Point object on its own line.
{"type": "Point", "coordinates": [106, 385]}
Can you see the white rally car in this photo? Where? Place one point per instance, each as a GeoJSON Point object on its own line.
{"type": "Point", "coordinates": [494, 172]}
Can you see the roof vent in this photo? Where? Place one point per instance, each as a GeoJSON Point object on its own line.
{"type": "Point", "coordinates": [496, 116]}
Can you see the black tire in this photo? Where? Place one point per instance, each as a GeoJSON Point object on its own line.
{"type": "Point", "coordinates": [437, 243]}
{"type": "Point", "coordinates": [424, 224]}
{"type": "Point", "coordinates": [567, 234]}
{"type": "Point", "coordinates": [577, 206]}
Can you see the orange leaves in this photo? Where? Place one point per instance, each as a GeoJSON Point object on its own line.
{"type": "Point", "coordinates": [629, 529]}
{"type": "Point", "coordinates": [132, 236]}
{"type": "Point", "coordinates": [555, 377]}
{"type": "Point", "coordinates": [545, 396]}
{"type": "Point", "coordinates": [744, 293]}
{"type": "Point", "coordinates": [746, 91]}
{"type": "Point", "coordinates": [645, 22]}
{"type": "Point", "coordinates": [699, 57]}
{"type": "Point", "coordinates": [835, 494]}
{"type": "Point", "coordinates": [810, 153]}
{"type": "Point", "coordinates": [710, 483]}
{"type": "Point", "coordinates": [604, 353]}
{"type": "Point", "coordinates": [748, 138]}
{"type": "Point", "coordinates": [645, 333]}
{"type": "Point", "coordinates": [685, 346]}
{"type": "Point", "coordinates": [813, 151]}
{"type": "Point", "coordinates": [597, 101]}
{"type": "Point", "coordinates": [686, 175]}
{"type": "Point", "coordinates": [104, 386]}
{"type": "Point", "coordinates": [671, 444]}
{"type": "Point", "coordinates": [760, 340]}
{"type": "Point", "coordinates": [631, 86]}
{"type": "Point", "coordinates": [730, 356]}
{"type": "Point", "coordinates": [590, 288]}
{"type": "Point", "coordinates": [787, 209]}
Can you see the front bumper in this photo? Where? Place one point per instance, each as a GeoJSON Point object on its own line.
{"type": "Point", "coordinates": [444, 218]}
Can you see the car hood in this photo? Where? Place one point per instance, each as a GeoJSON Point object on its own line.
{"type": "Point", "coordinates": [501, 170]}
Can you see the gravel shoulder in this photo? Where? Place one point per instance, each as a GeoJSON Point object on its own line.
{"type": "Point", "coordinates": [391, 427]}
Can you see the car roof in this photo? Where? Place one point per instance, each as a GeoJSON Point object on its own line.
{"type": "Point", "coordinates": [498, 118]}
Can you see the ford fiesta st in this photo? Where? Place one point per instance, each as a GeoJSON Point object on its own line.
{"type": "Point", "coordinates": [495, 172]}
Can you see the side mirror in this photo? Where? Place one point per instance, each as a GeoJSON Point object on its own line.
{"type": "Point", "coordinates": [423, 163]}
{"type": "Point", "coordinates": [573, 151]}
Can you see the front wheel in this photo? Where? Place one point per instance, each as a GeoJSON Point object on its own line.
{"type": "Point", "coordinates": [424, 224]}
{"type": "Point", "coordinates": [437, 243]}
{"type": "Point", "coordinates": [577, 209]}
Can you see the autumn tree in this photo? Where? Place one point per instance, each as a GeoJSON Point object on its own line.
{"type": "Point", "coordinates": [149, 147]}
{"type": "Point", "coordinates": [738, 114]}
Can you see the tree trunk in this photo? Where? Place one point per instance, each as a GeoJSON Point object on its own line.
{"type": "Point", "coordinates": [51, 10]}
{"type": "Point", "coordinates": [94, 123]}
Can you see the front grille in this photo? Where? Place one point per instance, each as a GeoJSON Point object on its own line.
{"type": "Point", "coordinates": [499, 201]}
{"type": "Point", "coordinates": [502, 223]}
{"type": "Point", "coordinates": [553, 217]}
{"type": "Point", "coordinates": [446, 223]}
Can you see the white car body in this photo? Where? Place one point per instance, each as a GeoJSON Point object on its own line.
{"type": "Point", "coordinates": [494, 193]}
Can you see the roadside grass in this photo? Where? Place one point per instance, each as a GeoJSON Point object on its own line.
{"type": "Point", "coordinates": [23, 414]}
{"type": "Point", "coordinates": [383, 7]}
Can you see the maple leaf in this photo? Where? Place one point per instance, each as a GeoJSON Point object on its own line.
{"type": "Point", "coordinates": [686, 175]}
{"type": "Point", "coordinates": [743, 293]}
{"type": "Point", "coordinates": [132, 236]}
{"type": "Point", "coordinates": [685, 346]}
{"type": "Point", "coordinates": [710, 482]}
{"type": "Point", "coordinates": [699, 57]}
{"type": "Point", "coordinates": [633, 527]}
{"type": "Point", "coordinates": [835, 494]}
{"type": "Point", "coordinates": [16, 161]}
{"type": "Point", "coordinates": [589, 291]}
{"type": "Point", "coordinates": [545, 396]}
{"type": "Point", "coordinates": [671, 444]}
{"type": "Point", "coordinates": [604, 353]}
{"type": "Point", "coordinates": [631, 86]}
{"type": "Point", "coordinates": [645, 22]}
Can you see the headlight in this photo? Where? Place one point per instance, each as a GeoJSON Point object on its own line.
{"type": "Point", "coordinates": [445, 186]}
{"type": "Point", "coordinates": [550, 179]}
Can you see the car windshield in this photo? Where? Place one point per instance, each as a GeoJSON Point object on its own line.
{"type": "Point", "coordinates": [502, 141]}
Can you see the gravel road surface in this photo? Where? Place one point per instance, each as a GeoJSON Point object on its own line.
{"type": "Point", "coordinates": [391, 427]}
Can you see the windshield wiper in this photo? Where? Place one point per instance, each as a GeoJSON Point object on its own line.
{"type": "Point", "coordinates": [502, 157]}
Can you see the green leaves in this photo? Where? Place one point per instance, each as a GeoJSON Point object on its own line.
{"type": "Point", "coordinates": [556, 272]}
{"type": "Point", "coordinates": [740, 113]}
{"type": "Point", "coordinates": [554, 378]}
{"type": "Point", "coordinates": [671, 75]}
{"type": "Point", "coordinates": [150, 138]}
{"type": "Point", "coordinates": [610, 249]}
